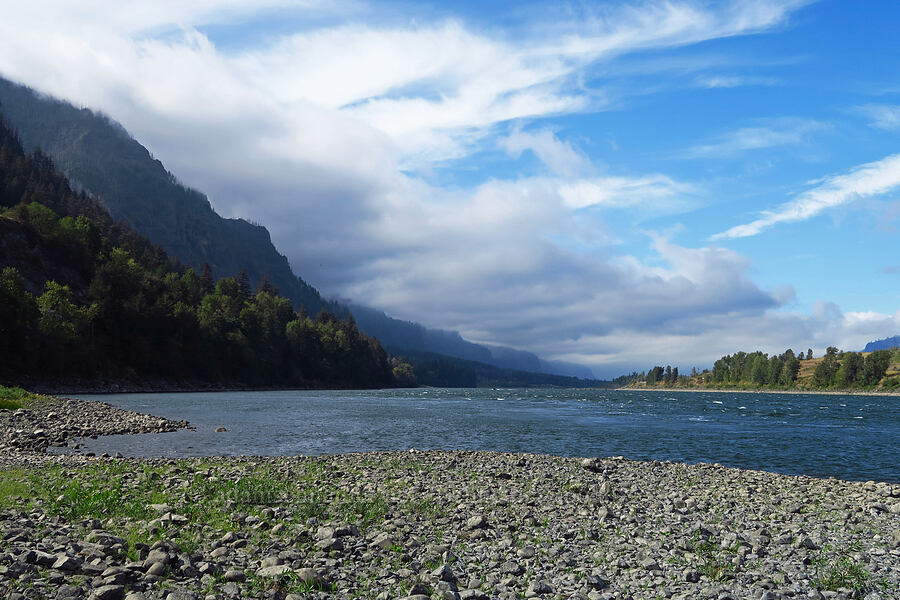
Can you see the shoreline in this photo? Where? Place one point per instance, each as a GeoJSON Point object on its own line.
{"type": "Point", "coordinates": [761, 391]}
{"type": "Point", "coordinates": [422, 525]}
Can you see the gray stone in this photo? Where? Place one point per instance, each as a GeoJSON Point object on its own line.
{"type": "Point", "coordinates": [511, 567]}
{"type": "Point", "coordinates": [804, 541]}
{"type": "Point", "coordinates": [159, 569]}
{"type": "Point", "coordinates": [231, 589]}
{"type": "Point", "coordinates": [271, 561]}
{"type": "Point", "coordinates": [67, 563]}
{"type": "Point", "coordinates": [590, 464]}
{"type": "Point", "coordinates": [274, 571]}
{"type": "Point", "coordinates": [235, 575]}
{"type": "Point", "coordinates": [330, 544]}
{"type": "Point", "coordinates": [444, 573]}
{"type": "Point", "coordinates": [311, 576]}
{"type": "Point", "coordinates": [109, 592]}
{"type": "Point", "coordinates": [384, 541]}
{"type": "Point", "coordinates": [537, 587]}
{"type": "Point", "coordinates": [649, 564]}
{"type": "Point", "coordinates": [477, 522]}
{"type": "Point", "coordinates": [68, 591]}
{"type": "Point", "coordinates": [157, 556]}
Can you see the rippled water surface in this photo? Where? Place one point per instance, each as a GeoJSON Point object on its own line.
{"type": "Point", "coordinates": [850, 437]}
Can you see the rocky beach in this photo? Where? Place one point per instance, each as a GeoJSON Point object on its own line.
{"type": "Point", "coordinates": [419, 525]}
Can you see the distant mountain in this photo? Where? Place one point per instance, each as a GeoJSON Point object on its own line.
{"type": "Point", "coordinates": [97, 155]}
{"type": "Point", "coordinates": [440, 370]}
{"type": "Point", "coordinates": [402, 337]}
{"type": "Point", "coordinates": [885, 344]}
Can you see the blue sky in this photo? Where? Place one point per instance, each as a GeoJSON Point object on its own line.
{"type": "Point", "coordinates": [614, 183]}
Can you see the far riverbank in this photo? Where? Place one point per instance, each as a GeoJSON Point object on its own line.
{"type": "Point", "coordinates": [762, 391]}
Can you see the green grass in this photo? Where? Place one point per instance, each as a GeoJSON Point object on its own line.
{"type": "Point", "coordinates": [833, 570]}
{"type": "Point", "coordinates": [715, 562]}
{"type": "Point", "coordinates": [12, 398]}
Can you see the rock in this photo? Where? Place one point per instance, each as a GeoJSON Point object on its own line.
{"type": "Point", "coordinates": [231, 589]}
{"type": "Point", "coordinates": [330, 544]}
{"type": "Point", "coordinates": [235, 575]}
{"type": "Point", "coordinates": [690, 576]}
{"type": "Point", "coordinates": [159, 569]}
{"type": "Point", "coordinates": [311, 576]}
{"type": "Point", "coordinates": [804, 541]}
{"type": "Point", "coordinates": [274, 571]}
{"type": "Point", "coordinates": [271, 561]}
{"type": "Point", "coordinates": [157, 555]}
{"type": "Point", "coordinates": [477, 522]}
{"type": "Point", "coordinates": [68, 591]}
{"type": "Point", "coordinates": [384, 541]}
{"type": "Point", "coordinates": [649, 564]}
{"type": "Point", "coordinates": [444, 573]}
{"type": "Point", "coordinates": [109, 592]}
{"type": "Point", "coordinates": [511, 567]}
{"type": "Point", "coordinates": [66, 563]}
{"type": "Point", "coordinates": [590, 464]}
{"type": "Point", "coordinates": [538, 587]}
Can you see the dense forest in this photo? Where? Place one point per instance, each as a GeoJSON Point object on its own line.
{"type": "Point", "coordinates": [836, 370]}
{"type": "Point", "coordinates": [84, 298]}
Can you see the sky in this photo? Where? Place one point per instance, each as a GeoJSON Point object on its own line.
{"type": "Point", "coordinates": [619, 184]}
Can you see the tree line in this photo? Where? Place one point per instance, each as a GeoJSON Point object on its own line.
{"type": "Point", "coordinates": [836, 370]}
{"type": "Point", "coordinates": [85, 297]}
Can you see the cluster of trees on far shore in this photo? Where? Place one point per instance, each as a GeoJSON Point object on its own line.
{"type": "Point", "coordinates": [84, 297]}
{"type": "Point", "coordinates": [835, 370]}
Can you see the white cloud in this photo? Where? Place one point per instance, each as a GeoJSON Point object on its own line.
{"type": "Point", "coordinates": [779, 132]}
{"type": "Point", "coordinates": [732, 81]}
{"type": "Point", "coordinates": [657, 193]}
{"type": "Point", "coordinates": [559, 157]}
{"type": "Point", "coordinates": [313, 134]}
{"type": "Point", "coordinates": [884, 116]}
{"type": "Point", "coordinates": [865, 181]}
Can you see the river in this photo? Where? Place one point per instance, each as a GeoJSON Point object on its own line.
{"type": "Point", "coordinates": [849, 437]}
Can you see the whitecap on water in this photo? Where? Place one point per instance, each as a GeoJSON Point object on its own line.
{"type": "Point", "coordinates": [717, 402]}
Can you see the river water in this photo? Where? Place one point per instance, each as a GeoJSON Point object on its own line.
{"type": "Point", "coordinates": [849, 437]}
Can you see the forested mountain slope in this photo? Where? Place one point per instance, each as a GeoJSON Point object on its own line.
{"type": "Point", "coordinates": [86, 300]}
